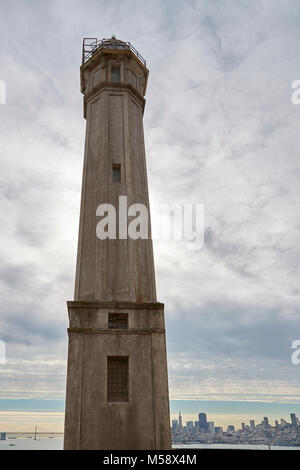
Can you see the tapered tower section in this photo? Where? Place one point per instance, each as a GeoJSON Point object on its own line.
{"type": "Point", "coordinates": [117, 384]}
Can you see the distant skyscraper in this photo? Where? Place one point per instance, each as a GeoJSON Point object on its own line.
{"type": "Point", "coordinates": [3, 436]}
{"type": "Point", "coordinates": [276, 423]}
{"type": "Point", "coordinates": [190, 425]}
{"type": "Point", "coordinates": [174, 424]}
{"type": "Point", "coordinates": [293, 419]}
{"type": "Point", "coordinates": [266, 421]}
{"type": "Point", "coordinates": [243, 426]}
{"type": "Point", "coordinates": [211, 427]}
{"type": "Point", "coordinates": [180, 420]}
{"type": "Point", "coordinates": [197, 426]}
{"type": "Point", "coordinates": [218, 430]}
{"type": "Point", "coordinates": [230, 428]}
{"type": "Point", "coordinates": [252, 424]}
{"type": "Point", "coordinates": [203, 422]}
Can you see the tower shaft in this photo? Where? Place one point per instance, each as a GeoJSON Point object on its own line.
{"type": "Point", "coordinates": [114, 269]}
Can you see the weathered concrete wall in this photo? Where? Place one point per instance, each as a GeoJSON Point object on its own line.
{"type": "Point", "coordinates": [113, 269]}
{"type": "Point", "coordinates": [92, 422]}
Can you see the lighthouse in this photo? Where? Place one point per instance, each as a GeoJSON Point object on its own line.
{"type": "Point", "coordinates": [117, 383]}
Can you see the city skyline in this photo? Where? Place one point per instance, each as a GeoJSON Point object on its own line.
{"type": "Point", "coordinates": [205, 431]}
{"type": "Point", "coordinates": [265, 419]}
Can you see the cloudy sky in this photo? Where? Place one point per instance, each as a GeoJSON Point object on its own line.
{"type": "Point", "coordinates": [220, 130]}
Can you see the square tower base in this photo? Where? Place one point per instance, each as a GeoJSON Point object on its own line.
{"type": "Point", "coordinates": [117, 383]}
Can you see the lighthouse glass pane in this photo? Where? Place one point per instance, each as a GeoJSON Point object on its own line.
{"type": "Point", "coordinates": [116, 173]}
{"type": "Point", "coordinates": [117, 378]}
{"type": "Point", "coordinates": [115, 74]}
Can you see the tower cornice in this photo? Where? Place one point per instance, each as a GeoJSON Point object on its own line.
{"type": "Point", "coordinates": [119, 305]}
{"type": "Point", "coordinates": [109, 48]}
{"type": "Point", "coordinates": [102, 86]}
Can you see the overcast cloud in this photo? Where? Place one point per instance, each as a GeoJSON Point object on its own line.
{"type": "Point", "coordinates": [220, 129]}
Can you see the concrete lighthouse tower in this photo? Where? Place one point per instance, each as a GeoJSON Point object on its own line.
{"type": "Point", "coordinates": [117, 383]}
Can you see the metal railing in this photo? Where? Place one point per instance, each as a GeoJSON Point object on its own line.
{"type": "Point", "coordinates": [92, 45]}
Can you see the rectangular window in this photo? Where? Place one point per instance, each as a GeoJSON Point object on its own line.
{"type": "Point", "coordinates": [116, 173]}
{"type": "Point", "coordinates": [118, 320]}
{"type": "Point", "coordinates": [115, 74]}
{"type": "Point", "coordinates": [117, 378]}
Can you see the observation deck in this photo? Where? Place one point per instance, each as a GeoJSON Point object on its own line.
{"type": "Point", "coordinates": [91, 46]}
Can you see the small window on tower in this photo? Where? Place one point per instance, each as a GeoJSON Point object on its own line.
{"type": "Point", "coordinates": [116, 173]}
{"type": "Point", "coordinates": [117, 378]}
{"type": "Point", "coordinates": [118, 320]}
{"type": "Point", "coordinates": [115, 74]}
